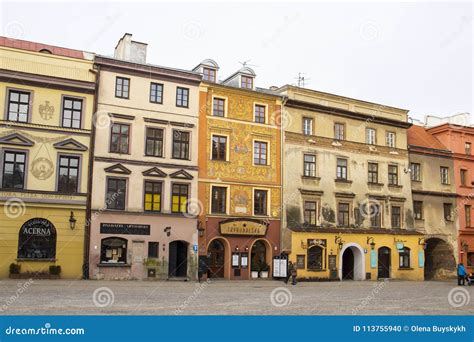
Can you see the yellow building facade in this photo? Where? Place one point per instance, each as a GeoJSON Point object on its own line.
{"type": "Point", "coordinates": [239, 175]}
{"type": "Point", "coordinates": [348, 211]}
{"type": "Point", "coordinates": [48, 97]}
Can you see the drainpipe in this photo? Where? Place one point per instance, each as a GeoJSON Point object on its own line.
{"type": "Point", "coordinates": [87, 232]}
{"type": "Point", "coordinates": [282, 174]}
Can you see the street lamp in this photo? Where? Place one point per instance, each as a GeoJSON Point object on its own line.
{"type": "Point", "coordinates": [422, 242]}
{"type": "Point", "coordinates": [72, 221]}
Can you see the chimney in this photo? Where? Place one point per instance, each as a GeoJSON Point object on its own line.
{"type": "Point", "coordinates": [130, 50]}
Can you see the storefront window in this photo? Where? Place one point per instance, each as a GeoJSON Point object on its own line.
{"type": "Point", "coordinates": [113, 250]}
{"type": "Point", "coordinates": [405, 257]}
{"type": "Point", "coordinates": [37, 240]}
{"type": "Point", "coordinates": [315, 258]}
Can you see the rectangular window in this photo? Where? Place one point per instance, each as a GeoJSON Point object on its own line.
{"type": "Point", "coordinates": [119, 138]}
{"type": "Point", "coordinates": [218, 107]}
{"type": "Point", "coordinates": [122, 87]}
{"type": "Point", "coordinates": [444, 173]}
{"type": "Point", "coordinates": [18, 105]}
{"type": "Point", "coordinates": [182, 97]}
{"type": "Point", "coordinates": [307, 126]}
{"type": "Point", "coordinates": [370, 136]}
{"type": "Point", "coordinates": [179, 198]}
{"type": "Point", "coordinates": [68, 176]}
{"type": "Point", "coordinates": [208, 74]}
{"type": "Point", "coordinates": [467, 148]}
{"type": "Point", "coordinates": [396, 217]}
{"type": "Point", "coordinates": [310, 212]}
{"type": "Point", "coordinates": [343, 214]}
{"type": "Point", "coordinates": [415, 172]}
{"type": "Point", "coordinates": [375, 215]}
{"type": "Point", "coordinates": [156, 92]}
{"type": "Point", "coordinates": [463, 174]}
{"type": "Point", "coordinates": [72, 112]}
{"type": "Point", "coordinates": [219, 147]}
{"type": "Point", "coordinates": [470, 259]}
{"type": "Point", "coordinates": [116, 192]}
{"type": "Point", "coordinates": [392, 175]}
{"type": "Point", "coordinates": [404, 255]}
{"type": "Point", "coordinates": [260, 153]}
{"type": "Point", "coordinates": [259, 115]}
{"type": "Point", "coordinates": [339, 131]}
{"type": "Point", "coordinates": [390, 139]}
{"type": "Point", "coordinates": [300, 261]}
{"type": "Point", "coordinates": [418, 210]}
{"type": "Point", "coordinates": [153, 249]}
{"type": "Point", "coordinates": [467, 213]}
{"type": "Point", "coordinates": [373, 173]}
{"type": "Point", "coordinates": [14, 170]}
{"type": "Point", "coordinates": [447, 209]}
{"type": "Point", "coordinates": [154, 142]}
{"type": "Point", "coordinates": [219, 200]}
{"type": "Point", "coordinates": [309, 165]}
{"type": "Point", "coordinates": [180, 145]}
{"type": "Point", "coordinates": [246, 82]}
{"type": "Point", "coordinates": [341, 169]}
{"type": "Point", "coordinates": [153, 196]}
{"type": "Point", "coordinates": [260, 202]}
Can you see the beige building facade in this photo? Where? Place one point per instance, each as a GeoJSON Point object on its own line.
{"type": "Point", "coordinates": [144, 193]}
{"type": "Point", "coordinates": [347, 202]}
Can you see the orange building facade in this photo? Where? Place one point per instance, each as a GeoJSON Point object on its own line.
{"type": "Point", "coordinates": [460, 139]}
{"type": "Point", "coordinates": [239, 176]}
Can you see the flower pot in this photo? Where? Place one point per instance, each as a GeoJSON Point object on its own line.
{"type": "Point", "coordinates": [254, 274]}
{"type": "Point", "coordinates": [264, 274]}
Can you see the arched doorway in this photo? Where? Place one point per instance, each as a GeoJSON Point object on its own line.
{"type": "Point", "coordinates": [258, 255]}
{"type": "Point", "coordinates": [384, 262]}
{"type": "Point", "coordinates": [352, 262]}
{"type": "Point", "coordinates": [178, 259]}
{"type": "Point", "coordinates": [348, 265]}
{"type": "Point", "coordinates": [439, 260]}
{"type": "Point", "coordinates": [216, 253]}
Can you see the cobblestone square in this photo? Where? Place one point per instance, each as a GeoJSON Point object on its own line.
{"type": "Point", "coordinates": [63, 297]}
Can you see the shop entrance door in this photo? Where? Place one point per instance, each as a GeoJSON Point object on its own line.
{"type": "Point", "coordinates": [178, 259]}
{"type": "Point", "coordinates": [348, 264]}
{"type": "Point", "coordinates": [216, 254]}
{"type": "Point", "coordinates": [384, 262]}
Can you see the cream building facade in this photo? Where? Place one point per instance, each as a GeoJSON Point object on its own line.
{"type": "Point", "coordinates": [144, 193]}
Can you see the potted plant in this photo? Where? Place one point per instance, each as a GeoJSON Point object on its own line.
{"type": "Point", "coordinates": [54, 271]}
{"type": "Point", "coordinates": [14, 270]}
{"type": "Point", "coordinates": [264, 268]}
{"type": "Point", "coordinates": [255, 269]}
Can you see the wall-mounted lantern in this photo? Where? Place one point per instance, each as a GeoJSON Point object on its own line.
{"type": "Point", "coordinates": [422, 242]}
{"type": "Point", "coordinates": [167, 230]}
{"type": "Point", "coordinates": [72, 221]}
{"type": "Point", "coordinates": [200, 228]}
{"type": "Point", "coordinates": [338, 240]}
{"type": "Point", "coordinates": [371, 239]}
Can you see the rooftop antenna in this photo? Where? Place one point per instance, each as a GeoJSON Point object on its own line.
{"type": "Point", "coordinates": [246, 64]}
{"type": "Point", "coordinates": [301, 80]}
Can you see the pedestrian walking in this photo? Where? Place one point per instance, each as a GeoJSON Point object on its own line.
{"type": "Point", "coordinates": [461, 274]}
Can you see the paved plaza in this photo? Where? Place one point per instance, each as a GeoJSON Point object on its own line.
{"type": "Point", "coordinates": [63, 297]}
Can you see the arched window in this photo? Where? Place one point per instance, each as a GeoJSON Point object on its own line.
{"type": "Point", "coordinates": [316, 258]}
{"type": "Point", "coordinates": [113, 250]}
{"type": "Point", "coordinates": [37, 240]}
{"type": "Point", "coordinates": [405, 257]}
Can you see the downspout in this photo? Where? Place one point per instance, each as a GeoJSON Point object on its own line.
{"type": "Point", "coordinates": [282, 175]}
{"type": "Point", "coordinates": [87, 232]}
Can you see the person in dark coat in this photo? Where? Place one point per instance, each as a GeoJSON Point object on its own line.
{"type": "Point", "coordinates": [291, 273]}
{"type": "Point", "coordinates": [461, 274]}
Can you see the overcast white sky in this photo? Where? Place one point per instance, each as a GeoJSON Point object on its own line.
{"type": "Point", "coordinates": [416, 56]}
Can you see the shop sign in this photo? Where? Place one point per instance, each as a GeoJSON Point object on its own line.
{"type": "Point", "coordinates": [316, 242]}
{"type": "Point", "coordinates": [332, 263]}
{"type": "Point", "coordinates": [373, 259]}
{"type": "Point", "coordinates": [400, 245]}
{"type": "Point", "coordinates": [124, 228]}
{"type": "Point", "coordinates": [37, 227]}
{"type": "Point", "coordinates": [243, 227]}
